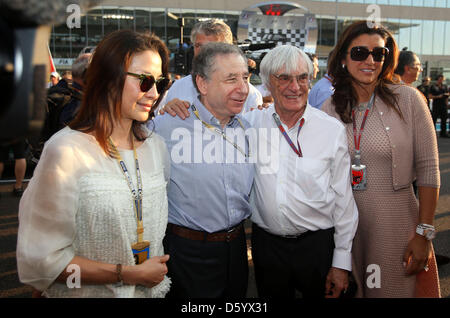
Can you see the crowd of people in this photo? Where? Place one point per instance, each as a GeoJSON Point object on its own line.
{"type": "Point", "coordinates": [144, 184]}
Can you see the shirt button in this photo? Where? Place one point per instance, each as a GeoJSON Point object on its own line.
{"type": "Point", "coordinates": [387, 128]}
{"type": "Point", "coordinates": [395, 166]}
{"type": "Point", "coordinates": [381, 113]}
{"type": "Point", "coordinates": [393, 146]}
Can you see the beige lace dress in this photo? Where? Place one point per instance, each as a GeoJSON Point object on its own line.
{"type": "Point", "coordinates": [388, 209]}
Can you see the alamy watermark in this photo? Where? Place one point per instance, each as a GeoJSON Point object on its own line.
{"type": "Point", "coordinates": [373, 280]}
{"type": "Point", "coordinates": [260, 146]}
{"type": "Point", "coordinates": [74, 18]}
{"type": "Point", "coordinates": [74, 279]}
{"type": "Point", "coordinates": [374, 18]}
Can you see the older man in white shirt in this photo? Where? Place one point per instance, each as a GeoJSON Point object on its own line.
{"type": "Point", "coordinates": [303, 211]}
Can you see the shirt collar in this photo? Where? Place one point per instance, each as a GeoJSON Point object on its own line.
{"type": "Point", "coordinates": [306, 115]}
{"type": "Point", "coordinates": [209, 118]}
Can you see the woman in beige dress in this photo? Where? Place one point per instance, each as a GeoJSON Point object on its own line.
{"type": "Point", "coordinates": [392, 142]}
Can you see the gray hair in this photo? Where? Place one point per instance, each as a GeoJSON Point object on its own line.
{"type": "Point", "coordinates": [80, 66]}
{"type": "Point", "coordinates": [284, 56]}
{"type": "Point", "coordinates": [214, 27]}
{"type": "Point", "coordinates": [203, 63]}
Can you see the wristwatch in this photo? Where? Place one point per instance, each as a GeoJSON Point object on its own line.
{"type": "Point", "coordinates": [426, 230]}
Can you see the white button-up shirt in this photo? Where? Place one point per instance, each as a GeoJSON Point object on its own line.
{"type": "Point", "coordinates": [291, 194]}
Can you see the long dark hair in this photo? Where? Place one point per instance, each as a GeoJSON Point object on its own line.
{"type": "Point", "coordinates": [105, 79]}
{"type": "Point", "coordinates": [345, 97]}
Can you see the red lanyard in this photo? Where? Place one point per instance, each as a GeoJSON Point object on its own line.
{"type": "Point", "coordinates": [328, 78]}
{"type": "Point", "coordinates": [358, 140]}
{"type": "Point", "coordinates": [286, 136]}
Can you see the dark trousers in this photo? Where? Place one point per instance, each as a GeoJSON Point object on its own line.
{"type": "Point", "coordinates": [440, 111]}
{"type": "Point", "coordinates": [202, 269]}
{"type": "Point", "coordinates": [284, 265]}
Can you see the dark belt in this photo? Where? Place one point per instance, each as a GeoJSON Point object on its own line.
{"type": "Point", "coordinates": [222, 236]}
{"type": "Point", "coordinates": [287, 237]}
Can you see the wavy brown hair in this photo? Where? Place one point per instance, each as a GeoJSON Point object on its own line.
{"type": "Point", "coordinates": [345, 97]}
{"type": "Point", "coordinates": [105, 79]}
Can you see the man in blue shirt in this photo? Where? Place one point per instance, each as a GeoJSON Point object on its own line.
{"type": "Point", "coordinates": [322, 90]}
{"type": "Point", "coordinates": [210, 180]}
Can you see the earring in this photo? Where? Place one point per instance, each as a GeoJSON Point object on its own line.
{"type": "Point", "coordinates": [343, 66]}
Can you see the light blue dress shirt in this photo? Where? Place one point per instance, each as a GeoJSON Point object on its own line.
{"type": "Point", "coordinates": [210, 180]}
{"type": "Point", "coordinates": [320, 92]}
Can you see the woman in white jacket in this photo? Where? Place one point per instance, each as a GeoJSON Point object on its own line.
{"type": "Point", "coordinates": [94, 215]}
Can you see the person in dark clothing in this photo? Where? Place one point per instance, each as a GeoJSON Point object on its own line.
{"type": "Point", "coordinates": [424, 88]}
{"type": "Point", "coordinates": [57, 98]}
{"type": "Point", "coordinates": [18, 147]}
{"type": "Point", "coordinates": [66, 80]}
{"type": "Point", "coordinates": [63, 100]}
{"type": "Point", "coordinates": [439, 93]}
{"type": "Point", "coordinates": [79, 68]}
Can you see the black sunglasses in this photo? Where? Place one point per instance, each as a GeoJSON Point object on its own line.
{"type": "Point", "coordinates": [147, 81]}
{"type": "Point", "coordinates": [361, 53]}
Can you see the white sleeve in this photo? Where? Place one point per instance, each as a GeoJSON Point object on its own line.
{"type": "Point", "coordinates": [47, 217]}
{"type": "Point", "coordinates": [164, 155]}
{"type": "Point", "coordinates": [345, 213]}
{"type": "Point", "coordinates": [254, 99]}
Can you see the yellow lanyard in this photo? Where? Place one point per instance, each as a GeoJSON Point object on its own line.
{"type": "Point", "coordinates": [137, 194]}
{"type": "Point", "coordinates": [224, 136]}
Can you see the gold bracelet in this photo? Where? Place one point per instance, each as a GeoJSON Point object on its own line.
{"type": "Point", "coordinates": [119, 274]}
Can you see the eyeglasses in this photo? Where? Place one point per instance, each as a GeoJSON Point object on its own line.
{"type": "Point", "coordinates": [361, 53]}
{"type": "Point", "coordinates": [284, 79]}
{"type": "Point", "coordinates": [147, 81]}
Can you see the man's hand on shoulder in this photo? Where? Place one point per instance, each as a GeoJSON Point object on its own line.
{"type": "Point", "coordinates": [176, 107]}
